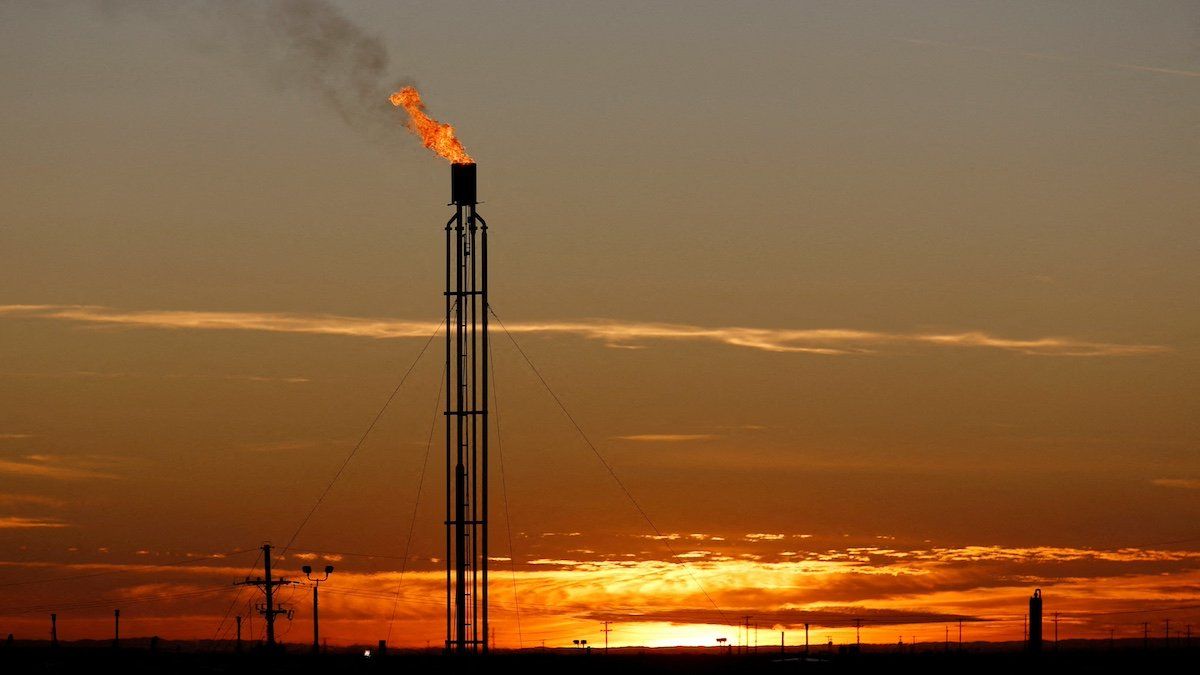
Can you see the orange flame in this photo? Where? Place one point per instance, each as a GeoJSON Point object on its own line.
{"type": "Point", "coordinates": [435, 135]}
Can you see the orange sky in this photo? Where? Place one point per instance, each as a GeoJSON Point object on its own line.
{"type": "Point", "coordinates": [890, 313]}
{"type": "Point", "coordinates": [711, 584]}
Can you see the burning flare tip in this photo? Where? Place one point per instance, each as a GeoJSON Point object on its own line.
{"type": "Point", "coordinates": [437, 136]}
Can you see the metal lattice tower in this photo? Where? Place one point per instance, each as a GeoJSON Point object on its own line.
{"type": "Point", "coordinates": [466, 415]}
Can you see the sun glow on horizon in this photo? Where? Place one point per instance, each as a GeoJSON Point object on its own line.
{"type": "Point", "coordinates": [914, 593]}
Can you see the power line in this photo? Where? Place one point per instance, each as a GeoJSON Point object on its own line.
{"type": "Point", "coordinates": [237, 595]}
{"type": "Point", "coordinates": [611, 472]}
{"type": "Point", "coordinates": [108, 601]}
{"type": "Point", "coordinates": [362, 439]}
{"type": "Point", "coordinates": [416, 502]}
{"type": "Point", "coordinates": [268, 582]}
{"type": "Point", "coordinates": [352, 554]}
{"type": "Point", "coordinates": [1132, 611]}
{"type": "Point", "coordinates": [512, 558]}
{"type": "Point", "coordinates": [126, 570]}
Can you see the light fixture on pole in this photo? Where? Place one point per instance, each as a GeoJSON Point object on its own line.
{"type": "Point", "coordinates": [316, 583]}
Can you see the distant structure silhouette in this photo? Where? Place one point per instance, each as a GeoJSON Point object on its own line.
{"type": "Point", "coordinates": [268, 583]}
{"type": "Point", "coordinates": [1035, 621]}
{"type": "Point", "coordinates": [466, 411]}
{"type": "Point", "coordinates": [316, 585]}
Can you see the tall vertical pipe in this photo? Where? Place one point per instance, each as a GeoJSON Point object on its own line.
{"type": "Point", "coordinates": [485, 353]}
{"type": "Point", "coordinates": [1035, 621]}
{"type": "Point", "coordinates": [460, 506]}
{"type": "Point", "coordinates": [449, 373]}
{"type": "Point", "coordinates": [270, 592]}
{"type": "Point", "coordinates": [466, 420]}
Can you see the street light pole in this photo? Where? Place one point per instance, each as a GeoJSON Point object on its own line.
{"type": "Point", "coordinates": [316, 584]}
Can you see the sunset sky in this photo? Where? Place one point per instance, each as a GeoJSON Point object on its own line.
{"type": "Point", "coordinates": [884, 311]}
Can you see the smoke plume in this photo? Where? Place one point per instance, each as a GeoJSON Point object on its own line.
{"type": "Point", "coordinates": [308, 46]}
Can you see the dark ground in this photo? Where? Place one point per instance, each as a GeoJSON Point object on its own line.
{"type": "Point", "coordinates": [173, 658]}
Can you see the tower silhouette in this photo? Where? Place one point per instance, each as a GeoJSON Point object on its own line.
{"type": "Point", "coordinates": [268, 583]}
{"type": "Point", "coordinates": [466, 414]}
{"type": "Point", "coordinates": [1035, 621]}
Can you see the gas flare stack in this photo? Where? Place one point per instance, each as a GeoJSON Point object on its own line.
{"type": "Point", "coordinates": [1035, 622]}
{"type": "Point", "coordinates": [466, 413]}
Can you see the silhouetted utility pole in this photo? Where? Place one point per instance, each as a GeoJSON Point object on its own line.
{"type": "Point", "coordinates": [960, 635]}
{"type": "Point", "coordinates": [857, 633]}
{"type": "Point", "coordinates": [1188, 643]}
{"type": "Point", "coordinates": [1112, 637]}
{"type": "Point", "coordinates": [947, 637]}
{"type": "Point", "coordinates": [239, 634]}
{"type": "Point", "coordinates": [782, 646]}
{"type": "Point", "coordinates": [806, 639]}
{"type": "Point", "coordinates": [1056, 631]}
{"type": "Point", "coordinates": [116, 628]}
{"type": "Point", "coordinates": [1145, 635]}
{"type": "Point", "coordinates": [606, 631]}
{"type": "Point", "coordinates": [268, 584]}
{"type": "Point", "coordinates": [746, 630]}
{"type": "Point", "coordinates": [1167, 635]}
{"type": "Point", "coordinates": [53, 630]}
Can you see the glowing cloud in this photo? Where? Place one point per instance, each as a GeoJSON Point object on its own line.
{"type": "Point", "coordinates": [23, 523]}
{"type": "Point", "coordinates": [823, 341]}
{"type": "Point", "coordinates": [52, 467]}
{"type": "Point", "coordinates": [666, 438]}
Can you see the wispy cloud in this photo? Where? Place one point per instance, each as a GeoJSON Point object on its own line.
{"type": "Point", "coordinates": [307, 555]}
{"type": "Point", "coordinates": [824, 341]}
{"type": "Point", "coordinates": [10, 499]}
{"type": "Point", "coordinates": [764, 536]}
{"type": "Point", "coordinates": [53, 467]}
{"type": "Point", "coordinates": [268, 378]}
{"type": "Point", "coordinates": [666, 438]}
{"type": "Point", "coordinates": [113, 375]}
{"type": "Point", "coordinates": [1043, 56]}
{"type": "Point", "coordinates": [24, 523]}
{"type": "Point", "coordinates": [13, 437]}
{"type": "Point", "coordinates": [1180, 483]}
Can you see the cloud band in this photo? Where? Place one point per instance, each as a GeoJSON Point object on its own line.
{"type": "Point", "coordinates": [822, 341]}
